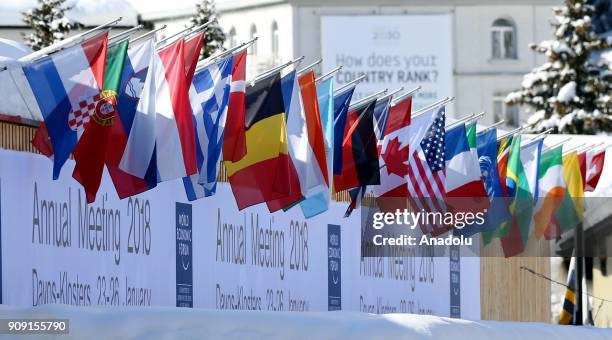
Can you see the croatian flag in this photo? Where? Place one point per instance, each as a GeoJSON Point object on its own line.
{"type": "Point", "coordinates": [61, 82]}
{"type": "Point", "coordinates": [132, 83]}
{"type": "Point", "coordinates": [163, 114]}
{"type": "Point", "coordinates": [209, 96]}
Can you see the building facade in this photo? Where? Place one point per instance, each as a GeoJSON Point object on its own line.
{"type": "Point", "coordinates": [490, 38]}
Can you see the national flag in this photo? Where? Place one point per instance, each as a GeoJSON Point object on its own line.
{"type": "Point", "coordinates": [261, 175]}
{"type": "Point", "coordinates": [568, 311]}
{"type": "Point", "coordinates": [594, 166]}
{"type": "Point", "coordinates": [381, 116]}
{"type": "Point", "coordinates": [487, 149]}
{"type": "Point", "coordinates": [522, 183]}
{"type": "Point", "coordinates": [342, 101]}
{"type": "Point", "coordinates": [301, 174]}
{"type": "Point", "coordinates": [209, 95]}
{"type": "Point", "coordinates": [60, 83]}
{"type": "Point", "coordinates": [317, 175]}
{"type": "Point", "coordinates": [317, 203]}
{"type": "Point", "coordinates": [426, 171]}
{"type": "Point", "coordinates": [463, 183]}
{"type": "Point", "coordinates": [503, 155]}
{"type": "Point", "coordinates": [551, 190]}
{"type": "Point", "coordinates": [463, 178]}
{"type": "Point", "coordinates": [163, 114]}
{"type": "Point", "coordinates": [90, 151]}
{"type": "Point", "coordinates": [359, 152]}
{"type": "Point", "coordinates": [392, 192]}
{"type": "Point", "coordinates": [133, 77]}
{"type": "Point", "coordinates": [234, 137]}
{"type": "Point", "coordinates": [502, 162]}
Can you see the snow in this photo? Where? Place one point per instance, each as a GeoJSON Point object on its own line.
{"type": "Point", "coordinates": [567, 92]}
{"type": "Point", "coordinates": [167, 322]}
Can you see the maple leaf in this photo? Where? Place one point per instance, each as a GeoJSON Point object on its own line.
{"type": "Point", "coordinates": [396, 158]}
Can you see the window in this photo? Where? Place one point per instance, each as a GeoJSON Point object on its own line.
{"type": "Point", "coordinates": [503, 39]}
{"type": "Point", "coordinates": [253, 48]}
{"type": "Point", "coordinates": [231, 37]}
{"type": "Point", "coordinates": [274, 40]}
{"type": "Point", "coordinates": [501, 110]}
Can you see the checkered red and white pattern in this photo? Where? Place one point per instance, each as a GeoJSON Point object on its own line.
{"type": "Point", "coordinates": [78, 119]}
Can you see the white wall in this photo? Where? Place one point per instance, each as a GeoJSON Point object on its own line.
{"type": "Point", "coordinates": [263, 18]}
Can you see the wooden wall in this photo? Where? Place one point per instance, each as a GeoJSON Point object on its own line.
{"type": "Point", "coordinates": [507, 291]}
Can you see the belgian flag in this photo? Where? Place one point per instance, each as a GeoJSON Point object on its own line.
{"type": "Point", "coordinates": [264, 173]}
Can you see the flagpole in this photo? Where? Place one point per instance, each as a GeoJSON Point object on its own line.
{"type": "Point", "coordinates": [439, 103]}
{"type": "Point", "coordinates": [488, 128]}
{"type": "Point", "coordinates": [573, 149]}
{"type": "Point", "coordinates": [309, 67]}
{"type": "Point", "coordinates": [197, 29]}
{"type": "Point", "coordinates": [588, 147]}
{"type": "Point", "coordinates": [579, 244]}
{"type": "Point", "coordinates": [476, 117]}
{"type": "Point", "coordinates": [275, 69]}
{"type": "Point", "coordinates": [557, 144]}
{"type": "Point", "coordinates": [347, 85]}
{"type": "Point", "coordinates": [61, 44]}
{"type": "Point", "coordinates": [148, 34]}
{"type": "Point", "coordinates": [185, 32]}
{"type": "Point", "coordinates": [512, 132]}
{"type": "Point", "coordinates": [459, 121]}
{"type": "Point", "coordinates": [404, 95]}
{"type": "Point", "coordinates": [367, 99]}
{"type": "Point", "coordinates": [206, 62]}
{"type": "Point", "coordinates": [392, 93]}
{"type": "Point", "coordinates": [124, 34]}
{"type": "Point", "coordinates": [328, 74]}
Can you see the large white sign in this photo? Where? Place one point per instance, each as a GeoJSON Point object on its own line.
{"type": "Point", "coordinates": [158, 249]}
{"type": "Point", "coordinates": [392, 51]}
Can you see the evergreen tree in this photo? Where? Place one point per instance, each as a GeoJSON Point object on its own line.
{"type": "Point", "coordinates": [213, 34]}
{"type": "Point", "coordinates": [572, 91]}
{"type": "Point", "coordinates": [48, 23]}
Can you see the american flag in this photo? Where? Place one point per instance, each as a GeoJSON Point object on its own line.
{"type": "Point", "coordinates": [426, 171]}
{"type": "Point", "coordinates": [209, 97]}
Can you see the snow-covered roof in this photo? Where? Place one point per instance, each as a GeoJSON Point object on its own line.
{"type": "Point", "coordinates": [87, 12]}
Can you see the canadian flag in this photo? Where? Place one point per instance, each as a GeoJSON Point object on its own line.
{"type": "Point", "coordinates": [594, 166]}
{"type": "Point", "coordinates": [394, 153]}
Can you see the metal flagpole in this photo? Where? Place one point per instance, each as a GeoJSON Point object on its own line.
{"type": "Point", "coordinates": [347, 85]}
{"type": "Point", "coordinates": [124, 34]}
{"type": "Point", "coordinates": [146, 35]}
{"type": "Point", "coordinates": [579, 245]}
{"type": "Point", "coordinates": [459, 121]}
{"type": "Point", "coordinates": [404, 95]}
{"type": "Point", "coordinates": [488, 128]}
{"type": "Point", "coordinates": [439, 103]}
{"type": "Point", "coordinates": [206, 62]}
{"type": "Point", "coordinates": [328, 74]}
{"type": "Point", "coordinates": [511, 133]}
{"type": "Point", "coordinates": [392, 93]}
{"type": "Point", "coordinates": [307, 68]}
{"type": "Point", "coordinates": [365, 100]}
{"type": "Point", "coordinates": [556, 144]}
{"type": "Point", "coordinates": [68, 41]}
{"type": "Point", "coordinates": [575, 148]}
{"type": "Point", "coordinates": [275, 69]}
{"type": "Point", "coordinates": [184, 33]}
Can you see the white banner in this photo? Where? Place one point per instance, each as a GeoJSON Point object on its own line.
{"type": "Point", "coordinates": [392, 51]}
{"type": "Point", "coordinates": [158, 249]}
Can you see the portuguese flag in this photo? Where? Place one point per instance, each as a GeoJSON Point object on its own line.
{"type": "Point", "coordinates": [90, 151]}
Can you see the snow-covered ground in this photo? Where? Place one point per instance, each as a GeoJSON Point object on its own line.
{"type": "Point", "coordinates": [174, 323]}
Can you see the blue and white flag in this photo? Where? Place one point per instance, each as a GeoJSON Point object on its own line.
{"type": "Point", "coordinates": [209, 97]}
